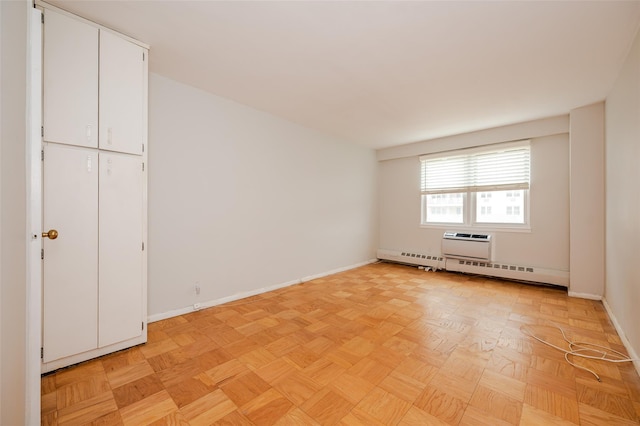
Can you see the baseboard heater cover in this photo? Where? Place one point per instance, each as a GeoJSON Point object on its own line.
{"type": "Point", "coordinates": [411, 258]}
{"type": "Point", "coordinates": [492, 269]}
{"type": "Point", "coordinates": [511, 272]}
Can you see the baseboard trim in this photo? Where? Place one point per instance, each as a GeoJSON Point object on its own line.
{"type": "Point", "coordinates": [245, 294]}
{"type": "Point", "coordinates": [623, 336]}
{"type": "Point", "coordinates": [584, 295]}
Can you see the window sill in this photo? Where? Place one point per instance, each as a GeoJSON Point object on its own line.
{"type": "Point", "coordinates": [523, 229]}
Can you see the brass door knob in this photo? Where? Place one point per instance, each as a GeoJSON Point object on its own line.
{"type": "Point", "coordinates": [52, 234]}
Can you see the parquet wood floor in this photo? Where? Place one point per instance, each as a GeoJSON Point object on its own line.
{"type": "Point", "coordinates": [379, 345]}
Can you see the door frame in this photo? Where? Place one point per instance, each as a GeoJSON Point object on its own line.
{"type": "Point", "coordinates": [33, 161]}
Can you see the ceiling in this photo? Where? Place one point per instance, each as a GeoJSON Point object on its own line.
{"type": "Point", "coordinates": [385, 73]}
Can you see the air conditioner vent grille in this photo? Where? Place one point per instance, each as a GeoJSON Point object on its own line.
{"type": "Point", "coordinates": [496, 266]}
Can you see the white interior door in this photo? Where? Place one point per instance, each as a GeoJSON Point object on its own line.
{"type": "Point", "coordinates": [122, 94]}
{"type": "Point", "coordinates": [70, 81]}
{"type": "Point", "coordinates": [120, 248]}
{"type": "Point", "coordinates": [70, 266]}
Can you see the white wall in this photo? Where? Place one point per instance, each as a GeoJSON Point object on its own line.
{"type": "Point", "coordinates": [240, 200]}
{"type": "Point", "coordinates": [622, 124]}
{"type": "Point", "coordinates": [1, 139]}
{"type": "Point", "coordinates": [13, 36]}
{"type": "Point", "coordinates": [546, 246]}
{"type": "Point", "coordinates": [587, 195]}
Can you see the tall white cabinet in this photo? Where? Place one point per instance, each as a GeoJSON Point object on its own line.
{"type": "Point", "coordinates": [94, 191]}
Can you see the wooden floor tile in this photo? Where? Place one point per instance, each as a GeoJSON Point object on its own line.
{"type": "Point", "coordinates": [445, 407]}
{"type": "Point", "coordinates": [129, 373]}
{"type": "Point", "coordinates": [48, 403]}
{"type": "Point", "coordinates": [402, 386]}
{"type": "Point", "coordinates": [357, 417]}
{"type": "Point", "coordinates": [267, 408]}
{"type": "Point", "coordinates": [208, 409]}
{"type": "Point", "coordinates": [121, 359]}
{"type": "Point", "coordinates": [137, 390]}
{"type": "Point", "coordinates": [77, 373]}
{"type": "Point", "coordinates": [296, 417]}
{"type": "Point", "coordinates": [454, 384]}
{"type": "Point", "coordinates": [114, 418]}
{"type": "Point", "coordinates": [297, 388]}
{"type": "Point", "coordinates": [244, 388]}
{"type": "Point", "coordinates": [417, 417]}
{"type": "Point", "coordinates": [87, 410]}
{"type": "Point", "coordinates": [370, 370]}
{"type": "Point", "coordinates": [384, 406]}
{"type": "Point", "coordinates": [323, 371]}
{"type": "Point", "coordinates": [235, 418]}
{"type": "Point", "coordinates": [172, 419]}
{"type": "Point", "coordinates": [593, 416]}
{"type": "Point", "coordinates": [476, 417]}
{"type": "Point", "coordinates": [607, 402]}
{"type": "Point", "coordinates": [496, 405]}
{"type": "Point", "coordinates": [178, 373]}
{"type": "Point", "coordinates": [189, 390]}
{"type": "Point", "coordinates": [149, 409]}
{"type": "Point", "coordinates": [154, 348]}
{"type": "Point", "coordinates": [74, 393]}
{"type": "Point", "coordinates": [552, 402]}
{"type": "Point", "coordinates": [532, 416]}
{"type": "Point", "coordinates": [227, 371]}
{"type": "Point", "coordinates": [276, 370]}
{"type": "Point", "coordinates": [378, 345]}
{"type": "Point", "coordinates": [506, 385]}
{"type": "Point", "coordinates": [326, 407]}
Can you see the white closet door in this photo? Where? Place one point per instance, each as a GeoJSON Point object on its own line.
{"type": "Point", "coordinates": [120, 276]}
{"type": "Point", "coordinates": [70, 81]}
{"type": "Point", "coordinates": [70, 266]}
{"type": "Point", "coordinates": [122, 94]}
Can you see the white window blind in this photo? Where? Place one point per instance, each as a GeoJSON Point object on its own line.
{"type": "Point", "coordinates": [496, 168]}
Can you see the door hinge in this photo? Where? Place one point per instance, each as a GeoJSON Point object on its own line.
{"type": "Point", "coordinates": [41, 353]}
{"type": "Point", "coordinates": [143, 246]}
{"type": "Point", "coordinates": [142, 328]}
{"type": "Point", "coordinates": [42, 155]}
{"type": "Point", "coordinates": [42, 18]}
{"type": "Point", "coordinates": [42, 254]}
{"type": "Point", "coordinates": [42, 131]}
{"type": "Point", "coordinates": [143, 167]}
{"type": "Point", "coordinates": [142, 147]}
{"type": "Point", "coordinates": [143, 56]}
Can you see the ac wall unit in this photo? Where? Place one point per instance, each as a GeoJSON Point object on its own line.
{"type": "Point", "coordinates": [461, 245]}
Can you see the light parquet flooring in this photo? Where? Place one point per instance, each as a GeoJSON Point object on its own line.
{"type": "Point", "coordinates": [382, 344]}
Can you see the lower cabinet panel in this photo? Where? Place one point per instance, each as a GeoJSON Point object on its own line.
{"type": "Point", "coordinates": [120, 248]}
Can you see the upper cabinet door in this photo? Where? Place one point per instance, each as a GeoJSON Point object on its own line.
{"type": "Point", "coordinates": [70, 81]}
{"type": "Point", "coordinates": [122, 92]}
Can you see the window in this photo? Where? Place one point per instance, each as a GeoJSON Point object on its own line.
{"type": "Point", "coordinates": [481, 186]}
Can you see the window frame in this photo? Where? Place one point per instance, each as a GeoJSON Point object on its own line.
{"type": "Point", "coordinates": [470, 197]}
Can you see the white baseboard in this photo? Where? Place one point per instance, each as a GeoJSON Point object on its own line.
{"type": "Point", "coordinates": [245, 294]}
{"type": "Point", "coordinates": [585, 295]}
{"type": "Point", "coordinates": [632, 353]}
